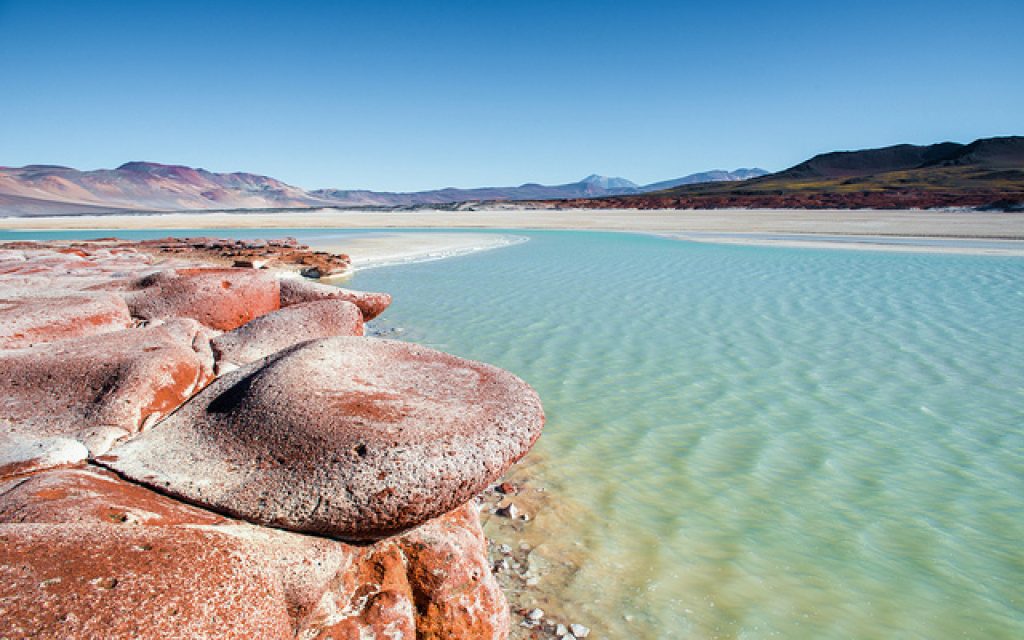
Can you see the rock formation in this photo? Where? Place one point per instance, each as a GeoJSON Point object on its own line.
{"type": "Point", "coordinates": [265, 475]}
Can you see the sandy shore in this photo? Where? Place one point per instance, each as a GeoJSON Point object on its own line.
{"type": "Point", "coordinates": [383, 249]}
{"type": "Point", "coordinates": [859, 222]}
{"type": "Point", "coordinates": [991, 233]}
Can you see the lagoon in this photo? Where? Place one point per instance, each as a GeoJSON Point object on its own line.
{"type": "Point", "coordinates": [749, 441]}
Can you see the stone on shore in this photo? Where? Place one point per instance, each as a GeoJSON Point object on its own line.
{"type": "Point", "coordinates": [353, 438]}
{"type": "Point", "coordinates": [220, 298]}
{"type": "Point", "coordinates": [30, 316]}
{"type": "Point", "coordinates": [87, 554]}
{"type": "Point", "coordinates": [76, 387]}
{"type": "Point", "coordinates": [296, 291]}
{"type": "Point", "coordinates": [287, 327]}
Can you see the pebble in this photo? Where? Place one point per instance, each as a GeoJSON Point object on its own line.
{"type": "Point", "coordinates": [579, 631]}
{"type": "Point", "coordinates": [505, 550]}
{"type": "Point", "coordinates": [511, 511]}
{"type": "Point", "coordinates": [535, 615]}
{"type": "Point", "coordinates": [561, 630]}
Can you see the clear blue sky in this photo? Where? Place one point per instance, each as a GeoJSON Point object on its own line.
{"type": "Point", "coordinates": [416, 95]}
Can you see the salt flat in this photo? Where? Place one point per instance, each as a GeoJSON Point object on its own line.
{"type": "Point", "coordinates": [953, 224]}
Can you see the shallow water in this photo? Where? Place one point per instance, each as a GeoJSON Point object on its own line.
{"type": "Point", "coordinates": [758, 442]}
{"type": "Point", "coordinates": [755, 442]}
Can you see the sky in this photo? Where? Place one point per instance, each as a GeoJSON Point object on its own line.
{"type": "Point", "coordinates": [405, 96]}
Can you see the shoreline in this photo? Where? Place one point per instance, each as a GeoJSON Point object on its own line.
{"type": "Point", "coordinates": [388, 249]}
{"type": "Point", "coordinates": [982, 233]}
{"type": "Point", "coordinates": [910, 223]}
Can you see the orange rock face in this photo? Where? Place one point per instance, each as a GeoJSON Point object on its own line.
{"type": "Point", "coordinates": [99, 346]}
{"type": "Point", "coordinates": [33, 317]}
{"type": "Point", "coordinates": [287, 327]}
{"type": "Point", "coordinates": [123, 380]}
{"type": "Point", "coordinates": [295, 291]}
{"type": "Point", "coordinates": [86, 554]}
{"type": "Point", "coordinates": [223, 299]}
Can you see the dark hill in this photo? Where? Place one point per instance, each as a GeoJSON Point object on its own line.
{"type": "Point", "coordinates": [862, 163]}
{"type": "Point", "coordinates": [985, 173]}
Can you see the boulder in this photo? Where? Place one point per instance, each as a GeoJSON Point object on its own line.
{"type": "Point", "coordinates": [30, 317]}
{"type": "Point", "coordinates": [296, 291]}
{"type": "Point", "coordinates": [22, 455]}
{"type": "Point", "coordinates": [354, 438]}
{"type": "Point", "coordinates": [126, 380]}
{"type": "Point", "coordinates": [220, 298]}
{"type": "Point", "coordinates": [139, 583]}
{"type": "Point", "coordinates": [287, 327]}
{"type": "Point", "coordinates": [82, 549]}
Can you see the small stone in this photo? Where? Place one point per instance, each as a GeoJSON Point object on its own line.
{"type": "Point", "coordinates": [505, 549]}
{"type": "Point", "coordinates": [579, 631]}
{"type": "Point", "coordinates": [536, 615]}
{"type": "Point", "coordinates": [511, 511]}
{"type": "Point", "coordinates": [561, 630]}
{"type": "Point", "coordinates": [507, 488]}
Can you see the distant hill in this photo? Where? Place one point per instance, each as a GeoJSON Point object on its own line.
{"type": "Point", "coordinates": [590, 187]}
{"type": "Point", "coordinates": [985, 173]}
{"type": "Point", "coordinates": [37, 190]}
{"type": "Point", "coordinates": [48, 189]}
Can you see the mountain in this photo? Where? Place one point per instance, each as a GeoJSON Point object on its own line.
{"type": "Point", "coordinates": [47, 189]}
{"type": "Point", "coordinates": [36, 190]}
{"type": "Point", "coordinates": [985, 173]}
{"type": "Point", "coordinates": [707, 176]}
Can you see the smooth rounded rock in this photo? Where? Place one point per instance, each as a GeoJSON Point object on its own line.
{"type": "Point", "coordinates": [30, 317]}
{"type": "Point", "coordinates": [355, 438]}
{"type": "Point", "coordinates": [22, 455]}
{"type": "Point", "coordinates": [125, 380]}
{"type": "Point", "coordinates": [296, 291]}
{"type": "Point", "coordinates": [287, 327]}
{"type": "Point", "coordinates": [220, 298]}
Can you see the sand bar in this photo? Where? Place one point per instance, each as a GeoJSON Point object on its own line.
{"type": "Point", "coordinates": [391, 248]}
{"type": "Point", "coordinates": [1007, 228]}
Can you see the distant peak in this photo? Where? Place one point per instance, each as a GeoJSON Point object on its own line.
{"type": "Point", "coordinates": [607, 182]}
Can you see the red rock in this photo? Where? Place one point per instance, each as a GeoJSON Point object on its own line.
{"type": "Point", "coordinates": [29, 317]}
{"type": "Point", "coordinates": [106, 581]}
{"type": "Point", "coordinates": [287, 327]}
{"type": "Point", "coordinates": [296, 291]}
{"type": "Point", "coordinates": [448, 566]}
{"type": "Point", "coordinates": [355, 438]}
{"type": "Point", "coordinates": [223, 299]}
{"type": "Point", "coordinates": [91, 495]}
{"type": "Point", "coordinates": [124, 380]}
{"type": "Point", "coordinates": [79, 546]}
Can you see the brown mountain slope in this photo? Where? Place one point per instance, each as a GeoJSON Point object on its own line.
{"type": "Point", "coordinates": [985, 173]}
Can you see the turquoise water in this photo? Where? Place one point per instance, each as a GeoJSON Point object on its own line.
{"type": "Point", "coordinates": [756, 442]}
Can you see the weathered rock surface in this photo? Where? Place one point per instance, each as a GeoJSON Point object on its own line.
{"type": "Point", "coordinates": [100, 581]}
{"type": "Point", "coordinates": [355, 438]}
{"type": "Point", "coordinates": [125, 380]}
{"type": "Point", "coordinates": [296, 291]}
{"type": "Point", "coordinates": [223, 299]}
{"type": "Point", "coordinates": [346, 437]}
{"type": "Point", "coordinates": [29, 317]}
{"type": "Point", "coordinates": [86, 554]}
{"type": "Point", "coordinates": [22, 455]}
{"type": "Point", "coordinates": [287, 327]}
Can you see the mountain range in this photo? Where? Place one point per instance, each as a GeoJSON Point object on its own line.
{"type": "Point", "coordinates": [36, 190]}
{"type": "Point", "coordinates": [987, 173]}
